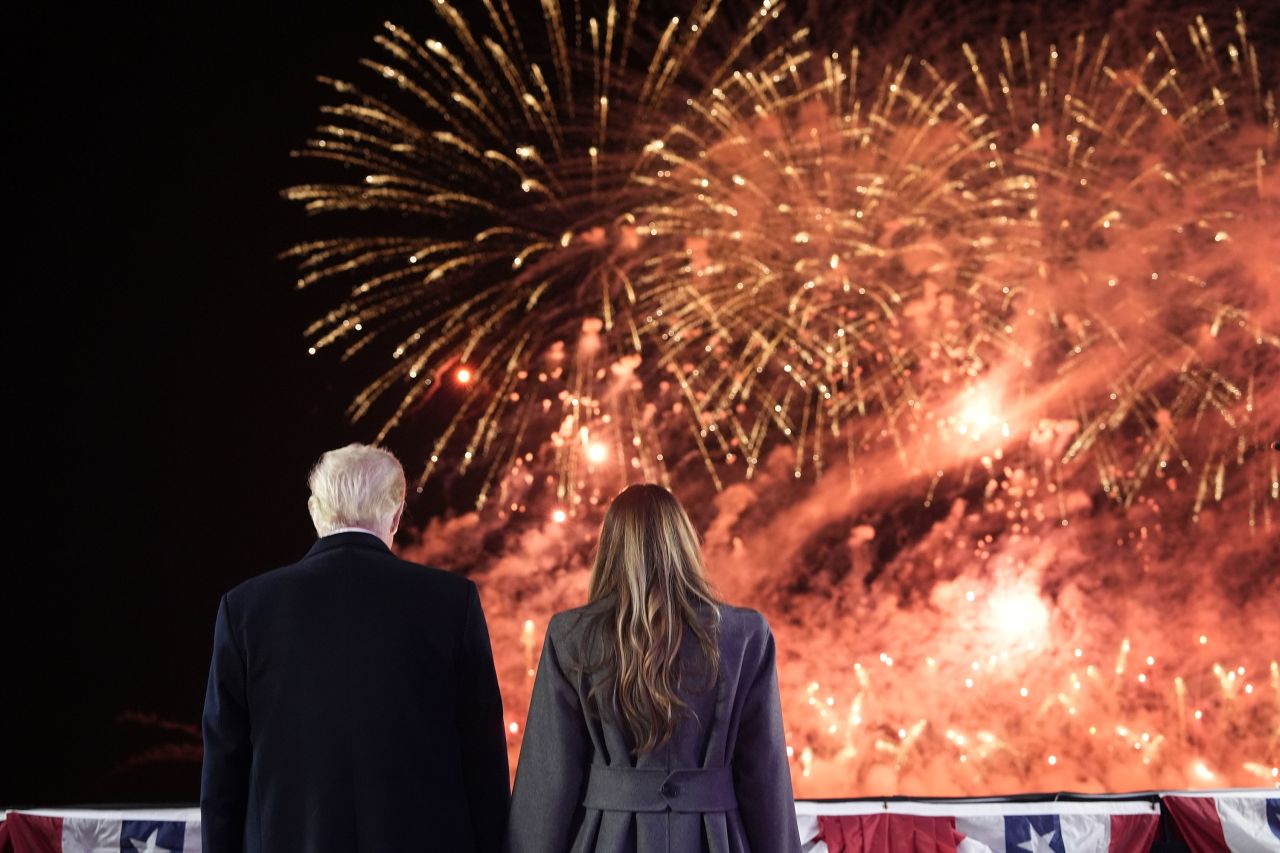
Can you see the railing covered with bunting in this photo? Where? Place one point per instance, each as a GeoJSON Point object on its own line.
{"type": "Point", "coordinates": [1229, 821]}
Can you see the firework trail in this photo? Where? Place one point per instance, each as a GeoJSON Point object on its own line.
{"type": "Point", "coordinates": [1012, 304]}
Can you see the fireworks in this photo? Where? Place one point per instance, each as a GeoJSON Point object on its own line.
{"type": "Point", "coordinates": [777, 250]}
{"type": "Point", "coordinates": [500, 195]}
{"type": "Point", "coordinates": [943, 354]}
{"type": "Point", "coordinates": [829, 227]}
{"type": "Point", "coordinates": [1135, 317]}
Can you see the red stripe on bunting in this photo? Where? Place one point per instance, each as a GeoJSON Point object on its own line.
{"type": "Point", "coordinates": [1198, 823]}
{"type": "Point", "coordinates": [888, 833]}
{"type": "Point", "coordinates": [33, 833]}
{"type": "Point", "coordinates": [1133, 833]}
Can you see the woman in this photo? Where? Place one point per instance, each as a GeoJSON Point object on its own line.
{"type": "Point", "coordinates": [655, 725]}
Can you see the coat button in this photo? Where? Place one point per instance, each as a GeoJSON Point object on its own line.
{"type": "Point", "coordinates": [668, 790]}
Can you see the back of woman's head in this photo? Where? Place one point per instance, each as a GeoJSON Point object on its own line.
{"type": "Point", "coordinates": [649, 579]}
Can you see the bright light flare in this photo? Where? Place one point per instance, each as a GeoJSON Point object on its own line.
{"type": "Point", "coordinates": [559, 516]}
{"type": "Point", "coordinates": [1018, 614]}
{"type": "Point", "coordinates": [597, 452]}
{"type": "Point", "coordinates": [980, 415]}
{"type": "Point", "coordinates": [463, 376]}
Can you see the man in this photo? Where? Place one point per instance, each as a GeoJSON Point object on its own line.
{"type": "Point", "coordinates": [352, 701]}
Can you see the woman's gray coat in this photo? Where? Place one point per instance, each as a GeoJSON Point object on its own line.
{"type": "Point", "coordinates": [720, 785]}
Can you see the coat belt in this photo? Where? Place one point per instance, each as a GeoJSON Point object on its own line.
{"type": "Point", "coordinates": [633, 789]}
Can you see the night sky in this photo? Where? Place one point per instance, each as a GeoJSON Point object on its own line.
{"type": "Point", "coordinates": [161, 406]}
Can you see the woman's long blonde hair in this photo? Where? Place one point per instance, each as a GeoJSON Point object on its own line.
{"type": "Point", "coordinates": [649, 578]}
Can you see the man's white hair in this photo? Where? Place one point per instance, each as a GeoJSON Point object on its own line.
{"type": "Point", "coordinates": [355, 486]}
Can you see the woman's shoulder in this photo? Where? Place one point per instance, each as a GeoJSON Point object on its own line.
{"type": "Point", "coordinates": [743, 624]}
{"type": "Point", "coordinates": [746, 641]}
{"type": "Point", "coordinates": [742, 621]}
{"type": "Point", "coordinates": [565, 625]}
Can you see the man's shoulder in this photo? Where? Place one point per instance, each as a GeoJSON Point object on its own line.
{"type": "Point", "coordinates": [384, 566]}
{"type": "Point", "coordinates": [251, 588]}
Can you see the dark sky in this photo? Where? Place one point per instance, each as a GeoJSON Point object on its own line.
{"type": "Point", "coordinates": [161, 408]}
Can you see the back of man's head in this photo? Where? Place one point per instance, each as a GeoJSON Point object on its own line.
{"type": "Point", "coordinates": [357, 486]}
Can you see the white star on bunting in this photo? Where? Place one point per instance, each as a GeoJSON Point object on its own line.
{"type": "Point", "coordinates": [1038, 843]}
{"type": "Point", "coordinates": [150, 842]}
